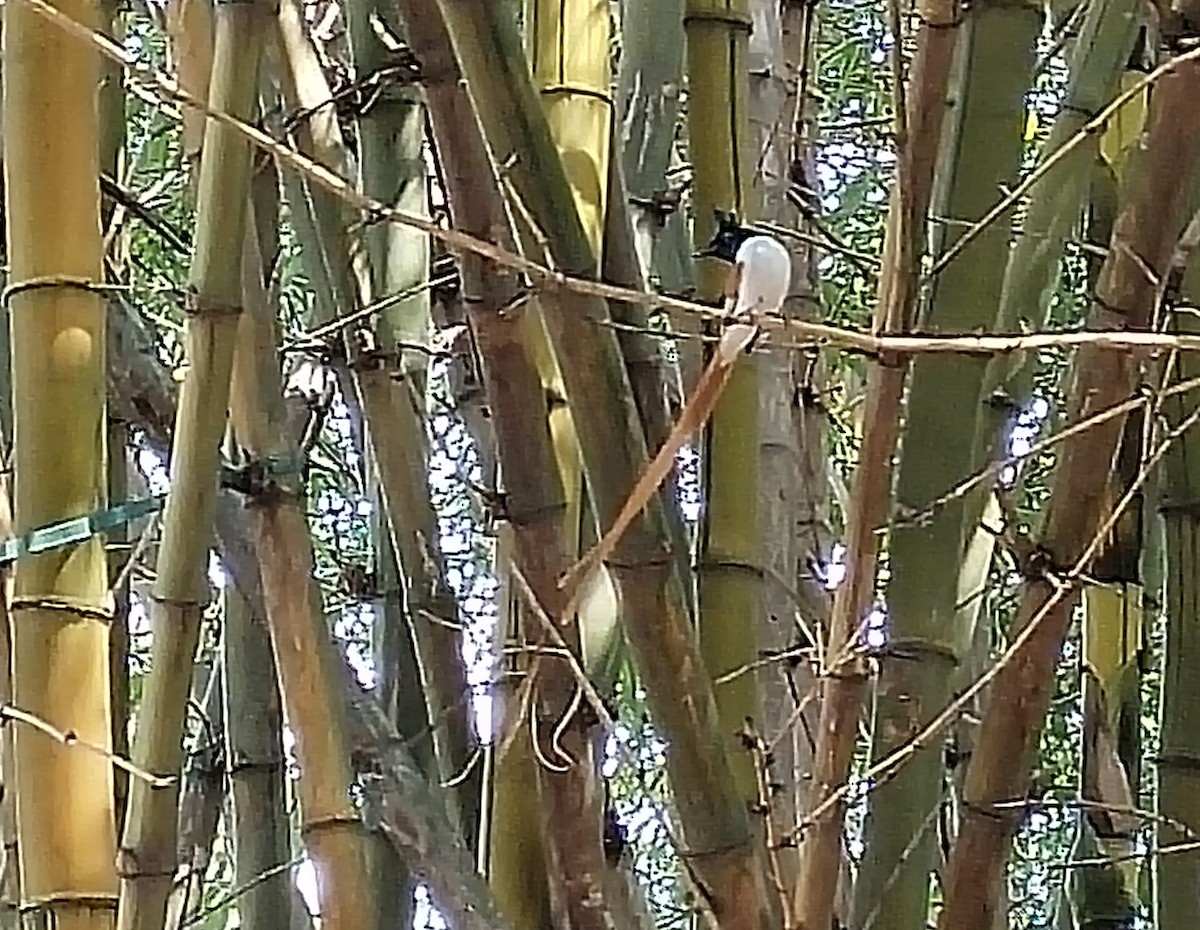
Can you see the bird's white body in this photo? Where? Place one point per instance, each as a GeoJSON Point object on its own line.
{"type": "Point", "coordinates": [764, 276]}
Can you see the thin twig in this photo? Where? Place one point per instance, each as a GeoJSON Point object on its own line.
{"type": "Point", "coordinates": [71, 739]}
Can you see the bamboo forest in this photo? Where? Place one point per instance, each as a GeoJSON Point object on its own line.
{"type": "Point", "coordinates": [600, 465]}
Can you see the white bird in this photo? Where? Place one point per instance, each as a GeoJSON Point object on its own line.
{"type": "Point", "coordinates": [761, 276]}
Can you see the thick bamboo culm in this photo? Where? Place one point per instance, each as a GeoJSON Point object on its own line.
{"type": "Point", "coordinates": [61, 606]}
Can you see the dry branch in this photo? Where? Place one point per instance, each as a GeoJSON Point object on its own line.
{"type": "Point", "coordinates": [801, 333]}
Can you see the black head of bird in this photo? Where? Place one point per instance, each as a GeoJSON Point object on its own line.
{"type": "Point", "coordinates": [729, 237]}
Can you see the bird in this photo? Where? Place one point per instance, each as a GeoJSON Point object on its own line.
{"type": "Point", "coordinates": [761, 268]}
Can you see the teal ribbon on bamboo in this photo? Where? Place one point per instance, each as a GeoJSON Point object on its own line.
{"type": "Point", "coordinates": [247, 479]}
{"type": "Point", "coordinates": [78, 529]}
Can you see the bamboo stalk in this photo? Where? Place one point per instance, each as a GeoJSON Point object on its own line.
{"type": "Point", "coordinates": [715, 823]}
{"type": "Point", "coordinates": [982, 155]}
{"type": "Point", "coordinates": [309, 671]}
{"type": "Point", "coordinates": [919, 128]}
{"type": "Point", "coordinates": [1179, 755]}
{"type": "Point", "coordinates": [61, 606]}
{"type": "Point", "coordinates": [254, 759]}
{"type": "Point", "coordinates": [1145, 234]}
{"type": "Point", "coordinates": [396, 430]}
{"type": "Point", "coordinates": [112, 147]}
{"type": "Point", "coordinates": [10, 871]}
{"type": "Point", "coordinates": [202, 795]}
{"type": "Point", "coordinates": [1032, 273]}
{"type": "Point", "coordinates": [648, 94]}
{"type": "Point", "coordinates": [728, 595]}
{"type": "Point", "coordinates": [1114, 639]}
{"type": "Point", "coordinates": [793, 493]}
{"type": "Point", "coordinates": [401, 695]}
{"type": "Point", "coordinates": [569, 56]}
{"type": "Point", "coordinates": [418, 826]}
{"type": "Point", "coordinates": [536, 508]}
{"type": "Point", "coordinates": [147, 858]}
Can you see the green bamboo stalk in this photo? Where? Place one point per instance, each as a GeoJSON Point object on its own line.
{"type": "Point", "coordinates": [391, 166]}
{"type": "Point", "coordinates": [1179, 754]}
{"type": "Point", "coordinates": [1147, 230]}
{"type": "Point", "coordinates": [60, 605]}
{"type": "Point", "coordinates": [982, 156]}
{"type": "Point", "coordinates": [718, 33]}
{"type": "Point", "coordinates": [648, 94]}
{"type": "Point", "coordinates": [613, 445]}
{"type": "Point", "coordinates": [1032, 274]}
{"type": "Point", "coordinates": [147, 861]}
{"type": "Point", "coordinates": [254, 760]}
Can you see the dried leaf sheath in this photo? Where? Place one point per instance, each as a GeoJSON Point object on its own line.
{"type": "Point", "coordinates": [1144, 237]}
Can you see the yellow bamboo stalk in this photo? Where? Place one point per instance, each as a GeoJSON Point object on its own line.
{"type": "Point", "coordinates": [148, 853]}
{"type": "Point", "coordinates": [61, 606]}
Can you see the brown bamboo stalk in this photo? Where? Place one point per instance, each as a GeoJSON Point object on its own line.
{"type": "Point", "coordinates": [1127, 297]}
{"type": "Point", "coordinates": [844, 687]}
{"type": "Point", "coordinates": [309, 669]}
{"type": "Point", "coordinates": [535, 499]}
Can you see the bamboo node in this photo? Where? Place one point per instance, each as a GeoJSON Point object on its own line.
{"type": "Point", "coordinates": [332, 822]}
{"type": "Point", "coordinates": [96, 902]}
{"type": "Point", "coordinates": [266, 479]}
{"type": "Point", "coordinates": [735, 19]}
{"type": "Point", "coordinates": [84, 609]}
{"type": "Point", "coordinates": [1186, 508]}
{"type": "Point", "coordinates": [201, 305]}
{"type": "Point", "coordinates": [1182, 760]}
{"type": "Point", "coordinates": [132, 865]}
{"type": "Point", "coordinates": [44, 282]}
{"type": "Point", "coordinates": [583, 90]}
